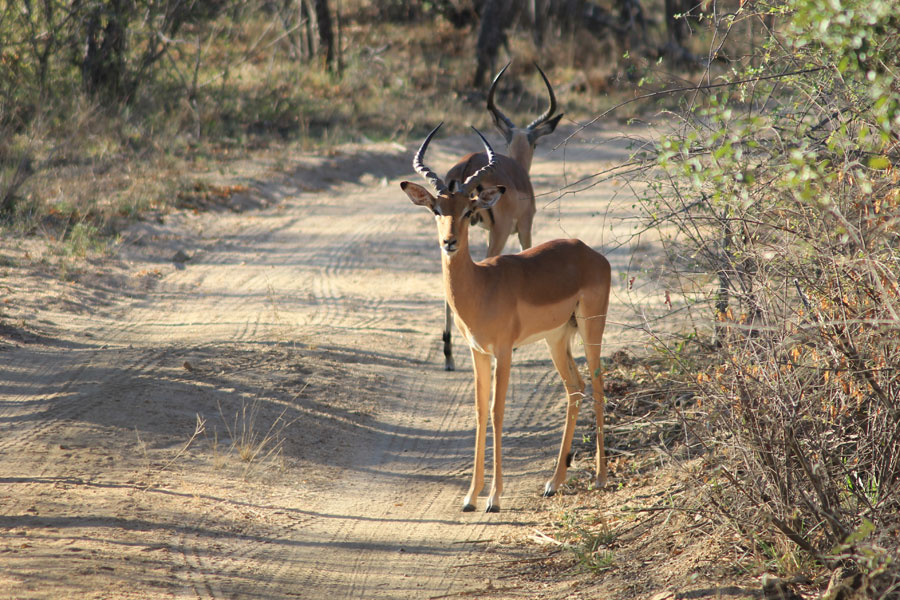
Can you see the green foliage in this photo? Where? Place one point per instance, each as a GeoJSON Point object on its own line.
{"type": "Point", "coordinates": [591, 554]}
{"type": "Point", "coordinates": [83, 238]}
{"type": "Point", "coordinates": [859, 39]}
{"type": "Point", "coordinates": [590, 542]}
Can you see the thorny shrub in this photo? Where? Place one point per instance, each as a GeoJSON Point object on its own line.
{"type": "Point", "coordinates": [782, 190]}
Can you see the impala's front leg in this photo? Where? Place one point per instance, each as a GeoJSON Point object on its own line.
{"type": "Point", "coordinates": [501, 382]}
{"type": "Point", "coordinates": [448, 345]}
{"type": "Point", "coordinates": [497, 237]}
{"type": "Point", "coordinates": [482, 366]}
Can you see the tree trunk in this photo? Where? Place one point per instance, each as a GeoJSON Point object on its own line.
{"type": "Point", "coordinates": [326, 34]}
{"type": "Point", "coordinates": [540, 11]}
{"type": "Point", "coordinates": [677, 32]}
{"type": "Point", "coordinates": [339, 50]}
{"type": "Point", "coordinates": [491, 35]}
{"type": "Point", "coordinates": [103, 64]}
{"type": "Point", "coordinates": [631, 15]}
{"type": "Point", "coordinates": [307, 29]}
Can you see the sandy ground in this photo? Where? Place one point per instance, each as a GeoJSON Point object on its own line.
{"type": "Point", "coordinates": [264, 415]}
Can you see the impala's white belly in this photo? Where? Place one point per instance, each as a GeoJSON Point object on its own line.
{"type": "Point", "coordinates": [488, 348]}
{"type": "Point", "coordinates": [543, 335]}
{"type": "Point", "coordinates": [474, 343]}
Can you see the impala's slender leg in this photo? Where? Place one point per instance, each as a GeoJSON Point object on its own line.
{"type": "Point", "coordinates": [593, 356]}
{"type": "Point", "coordinates": [482, 366]}
{"type": "Point", "coordinates": [561, 352]}
{"type": "Point", "coordinates": [523, 229]}
{"type": "Point", "coordinates": [597, 386]}
{"type": "Point", "coordinates": [525, 238]}
{"type": "Point", "coordinates": [591, 323]}
{"type": "Point", "coordinates": [497, 238]}
{"type": "Point", "coordinates": [448, 344]}
{"type": "Point", "coordinates": [503, 361]}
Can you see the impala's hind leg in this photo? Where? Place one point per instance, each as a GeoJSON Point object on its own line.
{"type": "Point", "coordinates": [591, 323]}
{"type": "Point", "coordinates": [561, 352]}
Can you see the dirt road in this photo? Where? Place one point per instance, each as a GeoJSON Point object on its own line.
{"type": "Point", "coordinates": [268, 418]}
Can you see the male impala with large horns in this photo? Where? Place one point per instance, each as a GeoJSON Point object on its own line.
{"type": "Point", "coordinates": [514, 211]}
{"type": "Point", "coordinates": [521, 141]}
{"type": "Point", "coordinates": [548, 292]}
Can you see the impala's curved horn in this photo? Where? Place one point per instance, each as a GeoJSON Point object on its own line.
{"type": "Point", "coordinates": [475, 178]}
{"type": "Point", "coordinates": [430, 176]}
{"type": "Point", "coordinates": [498, 116]}
{"type": "Point", "coordinates": [552, 109]}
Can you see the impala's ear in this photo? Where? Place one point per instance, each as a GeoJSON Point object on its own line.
{"type": "Point", "coordinates": [487, 197]}
{"type": "Point", "coordinates": [418, 194]}
{"type": "Point", "coordinates": [545, 128]}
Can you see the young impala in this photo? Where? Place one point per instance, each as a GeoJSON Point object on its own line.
{"type": "Point", "coordinates": [549, 292]}
{"type": "Point", "coordinates": [514, 211]}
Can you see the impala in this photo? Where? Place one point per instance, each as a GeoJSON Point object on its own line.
{"type": "Point", "coordinates": [549, 292]}
{"type": "Point", "coordinates": [514, 211]}
{"type": "Point", "coordinates": [521, 141]}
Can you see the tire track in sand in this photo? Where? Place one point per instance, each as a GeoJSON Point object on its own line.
{"type": "Point", "coordinates": [342, 521]}
{"type": "Point", "coordinates": [356, 251]}
{"type": "Point", "coordinates": [358, 282]}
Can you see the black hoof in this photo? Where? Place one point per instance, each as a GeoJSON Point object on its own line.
{"type": "Point", "coordinates": [549, 492]}
{"type": "Point", "coordinates": [449, 368]}
{"type": "Point", "coordinates": [492, 508]}
{"type": "Point", "coordinates": [468, 508]}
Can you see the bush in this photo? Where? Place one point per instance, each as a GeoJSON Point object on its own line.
{"type": "Point", "coordinates": [783, 192]}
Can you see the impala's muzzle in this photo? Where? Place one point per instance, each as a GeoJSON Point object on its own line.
{"type": "Point", "coordinates": [450, 245]}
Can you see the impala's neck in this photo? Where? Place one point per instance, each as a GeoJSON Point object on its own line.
{"type": "Point", "coordinates": [460, 273]}
{"type": "Point", "coordinates": [520, 150]}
